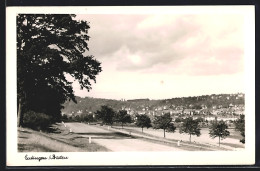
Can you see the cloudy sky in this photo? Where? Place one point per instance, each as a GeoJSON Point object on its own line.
{"type": "Point", "coordinates": [165, 56]}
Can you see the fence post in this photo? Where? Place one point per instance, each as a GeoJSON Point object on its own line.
{"type": "Point", "coordinates": [89, 140]}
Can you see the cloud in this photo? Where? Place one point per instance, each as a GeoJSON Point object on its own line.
{"type": "Point", "coordinates": [171, 44]}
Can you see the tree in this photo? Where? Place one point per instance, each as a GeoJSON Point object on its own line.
{"type": "Point", "coordinates": [143, 121]}
{"type": "Point", "coordinates": [64, 118]}
{"type": "Point", "coordinates": [123, 117]}
{"type": "Point", "coordinates": [88, 118]}
{"type": "Point", "coordinates": [50, 47]}
{"type": "Point", "coordinates": [190, 127]}
{"type": "Point", "coordinates": [106, 114]}
{"type": "Point", "coordinates": [240, 126]}
{"type": "Point", "coordinates": [218, 129]}
{"type": "Point", "coordinates": [164, 122]}
{"type": "Point", "coordinates": [179, 119]}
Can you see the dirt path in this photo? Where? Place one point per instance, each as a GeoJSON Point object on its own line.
{"type": "Point", "coordinates": [116, 141]}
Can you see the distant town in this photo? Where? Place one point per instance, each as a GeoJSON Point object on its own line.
{"type": "Point", "coordinates": [227, 107]}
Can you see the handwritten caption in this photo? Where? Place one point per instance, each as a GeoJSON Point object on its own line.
{"type": "Point", "coordinates": [50, 157]}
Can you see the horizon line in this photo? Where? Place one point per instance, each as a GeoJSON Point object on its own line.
{"type": "Point", "coordinates": [159, 99]}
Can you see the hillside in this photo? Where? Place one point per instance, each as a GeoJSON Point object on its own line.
{"type": "Point", "coordinates": [90, 105]}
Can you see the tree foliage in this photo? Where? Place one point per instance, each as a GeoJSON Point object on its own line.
{"type": "Point", "coordinates": [106, 115]}
{"type": "Point", "coordinates": [164, 122]}
{"type": "Point", "coordinates": [143, 121]}
{"type": "Point", "coordinates": [50, 47]}
{"type": "Point", "coordinates": [190, 127]}
{"type": "Point", "coordinates": [37, 121]}
{"type": "Point", "coordinates": [123, 117]}
{"type": "Point", "coordinates": [218, 129]}
{"type": "Point", "coordinates": [240, 126]}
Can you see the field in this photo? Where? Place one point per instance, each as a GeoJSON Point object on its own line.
{"type": "Point", "coordinates": [81, 137]}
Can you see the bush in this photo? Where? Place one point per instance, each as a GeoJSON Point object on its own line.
{"type": "Point", "coordinates": [179, 119]}
{"type": "Point", "coordinates": [37, 121]}
{"type": "Point", "coordinates": [64, 118]}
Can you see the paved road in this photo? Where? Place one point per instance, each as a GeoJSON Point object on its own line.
{"type": "Point", "coordinates": [116, 141]}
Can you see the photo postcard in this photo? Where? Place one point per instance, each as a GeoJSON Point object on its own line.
{"type": "Point", "coordinates": [136, 85]}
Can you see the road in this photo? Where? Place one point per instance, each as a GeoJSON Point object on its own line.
{"type": "Point", "coordinates": [115, 140]}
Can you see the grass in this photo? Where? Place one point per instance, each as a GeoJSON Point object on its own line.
{"type": "Point", "coordinates": [234, 145]}
{"type": "Point", "coordinates": [185, 145]}
{"type": "Point", "coordinates": [63, 141]}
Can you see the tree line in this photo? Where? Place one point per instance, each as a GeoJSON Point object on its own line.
{"type": "Point", "coordinates": [107, 115]}
{"type": "Point", "coordinates": [92, 104]}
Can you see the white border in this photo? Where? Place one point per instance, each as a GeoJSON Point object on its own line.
{"type": "Point", "coordinates": [244, 157]}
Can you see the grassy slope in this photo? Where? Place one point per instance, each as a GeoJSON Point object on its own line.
{"type": "Point", "coordinates": [61, 141]}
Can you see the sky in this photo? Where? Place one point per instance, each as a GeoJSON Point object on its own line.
{"type": "Point", "coordinates": [161, 56]}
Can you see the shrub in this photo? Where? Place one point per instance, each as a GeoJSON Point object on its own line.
{"type": "Point", "coordinates": [64, 118]}
{"type": "Point", "coordinates": [37, 121]}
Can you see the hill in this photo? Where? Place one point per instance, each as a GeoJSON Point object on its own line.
{"type": "Point", "coordinates": [90, 105]}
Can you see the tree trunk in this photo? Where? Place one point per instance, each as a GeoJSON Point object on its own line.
{"type": "Point", "coordinates": [142, 129]}
{"type": "Point", "coordinates": [190, 137]}
{"type": "Point", "coordinates": [122, 125]}
{"type": "Point", "coordinates": [219, 141]}
{"type": "Point", "coordinates": [164, 133]}
{"type": "Point", "coordinates": [20, 116]}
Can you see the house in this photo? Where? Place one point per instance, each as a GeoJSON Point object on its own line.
{"type": "Point", "coordinates": [167, 111]}
{"type": "Point", "coordinates": [215, 112]}
{"type": "Point", "coordinates": [230, 105]}
{"type": "Point", "coordinates": [210, 118]}
{"type": "Point", "coordinates": [175, 112]}
{"type": "Point", "coordinates": [179, 108]}
{"type": "Point", "coordinates": [197, 111]}
{"type": "Point", "coordinates": [239, 112]}
{"type": "Point", "coordinates": [130, 112]}
{"type": "Point", "coordinates": [227, 119]}
{"type": "Point", "coordinates": [205, 111]}
{"type": "Point", "coordinates": [141, 112]}
{"type": "Point", "coordinates": [240, 95]}
{"type": "Point", "coordinates": [203, 106]}
{"type": "Point", "coordinates": [172, 106]}
{"type": "Point", "coordinates": [220, 106]}
{"type": "Point", "coordinates": [165, 107]}
{"type": "Point", "coordinates": [159, 108]}
{"type": "Point", "coordinates": [188, 111]}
